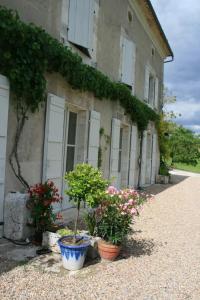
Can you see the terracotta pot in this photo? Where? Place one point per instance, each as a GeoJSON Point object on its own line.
{"type": "Point", "coordinates": [108, 251]}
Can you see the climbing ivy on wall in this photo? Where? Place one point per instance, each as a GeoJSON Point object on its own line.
{"type": "Point", "coordinates": [27, 53]}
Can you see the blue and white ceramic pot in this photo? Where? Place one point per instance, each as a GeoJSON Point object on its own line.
{"type": "Point", "coordinates": [73, 256]}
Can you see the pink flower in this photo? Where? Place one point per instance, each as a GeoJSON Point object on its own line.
{"type": "Point", "coordinates": [112, 190]}
{"type": "Point", "coordinates": [133, 211]}
{"type": "Point", "coordinates": [131, 201]}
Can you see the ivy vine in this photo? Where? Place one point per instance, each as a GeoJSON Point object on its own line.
{"type": "Point", "coordinates": [27, 53]}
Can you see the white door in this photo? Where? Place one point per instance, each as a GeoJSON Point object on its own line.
{"type": "Point", "coordinates": [53, 147]}
{"type": "Point", "coordinates": [149, 159]}
{"type": "Point", "coordinates": [143, 159]}
{"type": "Point", "coordinates": [154, 158]}
{"type": "Point", "coordinates": [4, 104]}
{"type": "Point", "coordinates": [134, 141]}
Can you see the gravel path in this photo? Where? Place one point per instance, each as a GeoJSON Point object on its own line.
{"type": "Point", "coordinates": [162, 261]}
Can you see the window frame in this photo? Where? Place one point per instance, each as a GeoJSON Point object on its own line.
{"type": "Point", "coordinates": [66, 139]}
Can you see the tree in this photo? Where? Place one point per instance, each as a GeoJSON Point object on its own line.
{"type": "Point", "coordinates": [184, 146]}
{"type": "Point", "coordinates": [166, 125]}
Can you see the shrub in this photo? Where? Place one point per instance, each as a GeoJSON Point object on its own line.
{"type": "Point", "coordinates": [115, 214]}
{"type": "Point", "coordinates": [41, 198]}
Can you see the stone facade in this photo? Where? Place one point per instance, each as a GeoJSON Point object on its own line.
{"type": "Point", "coordinates": [113, 22]}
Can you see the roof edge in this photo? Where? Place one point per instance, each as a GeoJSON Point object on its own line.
{"type": "Point", "coordinates": [160, 28]}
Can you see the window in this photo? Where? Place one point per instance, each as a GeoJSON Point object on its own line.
{"type": "Point", "coordinates": [128, 62]}
{"type": "Point", "coordinates": [151, 87]}
{"type": "Point", "coordinates": [71, 141]}
{"type": "Point", "coordinates": [151, 97]}
{"type": "Point", "coordinates": [120, 150]}
{"type": "Point", "coordinates": [80, 26]}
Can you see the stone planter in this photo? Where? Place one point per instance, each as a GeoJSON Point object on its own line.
{"type": "Point", "coordinates": [162, 179]}
{"type": "Point", "coordinates": [16, 217]}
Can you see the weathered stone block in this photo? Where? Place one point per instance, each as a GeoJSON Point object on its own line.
{"type": "Point", "coordinates": [162, 179]}
{"type": "Point", "coordinates": [50, 240]}
{"type": "Point", "coordinates": [16, 216]}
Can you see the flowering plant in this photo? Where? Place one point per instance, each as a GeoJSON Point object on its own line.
{"type": "Point", "coordinates": [41, 198]}
{"type": "Point", "coordinates": [116, 213]}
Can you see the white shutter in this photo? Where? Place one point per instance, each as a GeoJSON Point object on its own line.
{"type": "Point", "coordinates": [128, 61]}
{"type": "Point", "coordinates": [114, 155]}
{"type": "Point", "coordinates": [146, 83]}
{"type": "Point", "coordinates": [125, 156]}
{"type": "Point", "coordinates": [93, 143]}
{"type": "Point", "coordinates": [81, 22]}
{"type": "Point", "coordinates": [54, 139]}
{"type": "Point", "coordinates": [4, 105]}
{"type": "Point", "coordinates": [156, 93]}
{"type": "Point", "coordinates": [133, 156]}
{"type": "Point", "coordinates": [154, 159]}
{"type": "Point", "coordinates": [143, 159]}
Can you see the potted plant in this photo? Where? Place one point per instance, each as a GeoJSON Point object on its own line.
{"type": "Point", "coordinates": [164, 176]}
{"type": "Point", "coordinates": [114, 218]}
{"type": "Point", "coordinates": [41, 198]}
{"type": "Point", "coordinates": [85, 186]}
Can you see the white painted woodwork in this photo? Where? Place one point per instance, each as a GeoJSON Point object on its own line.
{"type": "Point", "coordinates": [143, 159]}
{"type": "Point", "coordinates": [82, 136]}
{"type": "Point", "coordinates": [128, 62]}
{"type": "Point", "coordinates": [125, 157]}
{"type": "Point", "coordinates": [4, 106]}
{"type": "Point", "coordinates": [54, 138]}
{"type": "Point", "coordinates": [114, 155]}
{"type": "Point", "coordinates": [154, 158]}
{"type": "Point", "coordinates": [149, 158]}
{"type": "Point", "coordinates": [93, 142]}
{"type": "Point", "coordinates": [156, 104]}
{"type": "Point", "coordinates": [133, 156]}
{"type": "Point", "coordinates": [146, 83]}
{"type": "Point", "coordinates": [80, 28]}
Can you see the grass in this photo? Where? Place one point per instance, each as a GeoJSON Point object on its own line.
{"type": "Point", "coordinates": [189, 168]}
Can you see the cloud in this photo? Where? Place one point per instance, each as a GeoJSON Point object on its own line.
{"type": "Point", "coordinates": [180, 21]}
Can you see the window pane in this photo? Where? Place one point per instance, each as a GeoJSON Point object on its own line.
{"type": "Point", "coordinates": [70, 158]}
{"type": "Point", "coordinates": [151, 89]}
{"type": "Point", "coordinates": [72, 128]}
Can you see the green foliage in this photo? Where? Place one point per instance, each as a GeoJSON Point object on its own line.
{"type": "Point", "coordinates": [113, 226]}
{"type": "Point", "coordinates": [64, 231]}
{"type": "Point", "coordinates": [164, 130]}
{"type": "Point", "coordinates": [164, 169]}
{"type": "Point", "coordinates": [185, 146]}
{"type": "Point", "coordinates": [86, 184]}
{"type": "Point", "coordinates": [41, 198]}
{"type": "Point", "coordinates": [90, 220]}
{"type": "Point", "coordinates": [27, 52]}
{"type": "Point", "coordinates": [114, 216]}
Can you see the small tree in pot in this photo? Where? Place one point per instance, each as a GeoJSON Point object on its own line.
{"type": "Point", "coordinates": [85, 186]}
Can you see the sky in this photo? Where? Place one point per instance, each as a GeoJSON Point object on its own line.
{"type": "Point", "coordinates": [180, 21]}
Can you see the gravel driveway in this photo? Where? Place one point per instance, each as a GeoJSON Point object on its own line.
{"type": "Point", "coordinates": [162, 260]}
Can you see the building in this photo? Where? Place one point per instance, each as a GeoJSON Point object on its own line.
{"type": "Point", "coordinates": [124, 40]}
